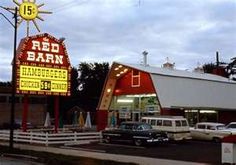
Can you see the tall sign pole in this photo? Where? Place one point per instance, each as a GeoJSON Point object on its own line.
{"type": "Point", "coordinates": [13, 83]}
{"type": "Point", "coordinates": [28, 11]}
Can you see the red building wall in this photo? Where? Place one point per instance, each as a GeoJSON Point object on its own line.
{"type": "Point", "coordinates": [101, 117]}
{"type": "Point", "coordinates": [124, 85]}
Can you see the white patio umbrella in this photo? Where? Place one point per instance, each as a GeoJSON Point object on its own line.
{"type": "Point", "coordinates": [88, 121]}
{"type": "Point", "coordinates": [47, 122]}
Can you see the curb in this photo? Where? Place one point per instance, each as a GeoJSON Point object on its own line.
{"type": "Point", "coordinates": [19, 156]}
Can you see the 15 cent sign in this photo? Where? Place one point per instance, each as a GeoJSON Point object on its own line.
{"type": "Point", "coordinates": [43, 66]}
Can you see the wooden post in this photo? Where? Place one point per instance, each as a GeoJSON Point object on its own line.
{"type": "Point", "coordinates": [56, 113]}
{"type": "Point", "coordinates": [25, 113]}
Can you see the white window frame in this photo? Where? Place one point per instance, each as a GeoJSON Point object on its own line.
{"type": "Point", "coordinates": [132, 79]}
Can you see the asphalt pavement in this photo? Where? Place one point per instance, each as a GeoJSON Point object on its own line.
{"type": "Point", "coordinates": [104, 156]}
{"type": "Point", "coordinates": [190, 151]}
{"type": "Point", "coordinates": [13, 161]}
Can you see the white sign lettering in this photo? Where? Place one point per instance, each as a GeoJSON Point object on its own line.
{"type": "Point", "coordinates": [45, 52]}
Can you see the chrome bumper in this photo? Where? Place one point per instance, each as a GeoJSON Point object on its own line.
{"type": "Point", "coordinates": [158, 140]}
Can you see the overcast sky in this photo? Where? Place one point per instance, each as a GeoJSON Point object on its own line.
{"type": "Point", "coordinates": [188, 32]}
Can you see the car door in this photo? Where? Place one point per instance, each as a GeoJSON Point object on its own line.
{"type": "Point", "coordinates": [127, 131]}
{"type": "Point", "coordinates": [199, 132]}
{"type": "Point", "coordinates": [119, 134]}
{"type": "Point", "coordinates": [210, 131]}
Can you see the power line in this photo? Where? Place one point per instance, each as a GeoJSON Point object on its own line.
{"type": "Point", "coordinates": [67, 5]}
{"type": "Point", "coordinates": [63, 6]}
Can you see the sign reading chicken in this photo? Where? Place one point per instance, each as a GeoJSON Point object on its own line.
{"type": "Point", "coordinates": [43, 66]}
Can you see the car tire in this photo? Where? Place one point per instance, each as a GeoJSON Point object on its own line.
{"type": "Point", "coordinates": [107, 139]}
{"type": "Point", "coordinates": [138, 142]}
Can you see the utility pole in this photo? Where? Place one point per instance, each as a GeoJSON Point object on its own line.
{"type": "Point", "coordinates": [13, 83]}
{"type": "Point", "coordinates": [12, 116]}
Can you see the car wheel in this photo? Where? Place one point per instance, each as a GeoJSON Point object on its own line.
{"type": "Point", "coordinates": [107, 139]}
{"type": "Point", "coordinates": [138, 142]}
{"type": "Point", "coordinates": [216, 140]}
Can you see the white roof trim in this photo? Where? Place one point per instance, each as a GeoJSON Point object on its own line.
{"type": "Point", "coordinates": [179, 73]}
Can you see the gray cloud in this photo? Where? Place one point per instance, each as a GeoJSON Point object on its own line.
{"type": "Point", "coordinates": [186, 31]}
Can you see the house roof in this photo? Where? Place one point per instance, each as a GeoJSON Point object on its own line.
{"type": "Point", "coordinates": [190, 90]}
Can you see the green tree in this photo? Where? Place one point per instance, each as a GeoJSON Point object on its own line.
{"type": "Point", "coordinates": [231, 69]}
{"type": "Point", "coordinates": [90, 83]}
{"type": "Point", "coordinates": [86, 86]}
{"type": "Point", "coordinates": [5, 84]}
{"type": "Point", "coordinates": [91, 79]}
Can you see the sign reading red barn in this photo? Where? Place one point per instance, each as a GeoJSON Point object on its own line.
{"type": "Point", "coordinates": [43, 66]}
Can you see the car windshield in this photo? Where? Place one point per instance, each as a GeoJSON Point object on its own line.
{"type": "Point", "coordinates": [220, 127]}
{"type": "Point", "coordinates": [135, 126]}
{"type": "Point", "coordinates": [231, 126]}
{"type": "Point", "coordinates": [146, 126]}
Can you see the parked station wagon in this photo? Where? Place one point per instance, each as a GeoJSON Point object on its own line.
{"type": "Point", "coordinates": [209, 131]}
{"type": "Point", "coordinates": [137, 132]}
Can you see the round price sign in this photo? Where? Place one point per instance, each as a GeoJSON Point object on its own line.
{"type": "Point", "coordinates": [28, 10]}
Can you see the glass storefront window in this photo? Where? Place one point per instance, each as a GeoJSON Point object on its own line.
{"type": "Point", "coordinates": [144, 103]}
{"type": "Point", "coordinates": [133, 107]}
{"type": "Point", "coordinates": [195, 116]}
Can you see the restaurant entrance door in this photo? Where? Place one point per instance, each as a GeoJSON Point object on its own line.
{"type": "Point", "coordinates": [136, 116]}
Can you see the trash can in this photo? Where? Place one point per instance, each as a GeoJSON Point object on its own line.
{"type": "Point", "coordinates": [228, 149]}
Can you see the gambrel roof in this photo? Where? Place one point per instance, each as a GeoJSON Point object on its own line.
{"type": "Point", "coordinates": [190, 90]}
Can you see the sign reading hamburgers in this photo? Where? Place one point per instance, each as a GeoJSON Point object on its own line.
{"type": "Point", "coordinates": [43, 66]}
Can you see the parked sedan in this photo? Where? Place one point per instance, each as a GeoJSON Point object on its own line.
{"type": "Point", "coordinates": [231, 126]}
{"type": "Point", "coordinates": [137, 132]}
{"type": "Point", "coordinates": [209, 131]}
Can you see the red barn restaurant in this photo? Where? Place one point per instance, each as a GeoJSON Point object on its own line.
{"type": "Point", "coordinates": [132, 91]}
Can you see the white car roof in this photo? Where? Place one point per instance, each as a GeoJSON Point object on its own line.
{"type": "Point", "coordinates": [211, 123]}
{"type": "Point", "coordinates": [232, 123]}
{"type": "Point", "coordinates": [164, 117]}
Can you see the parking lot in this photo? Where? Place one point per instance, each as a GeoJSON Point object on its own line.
{"type": "Point", "coordinates": [192, 151]}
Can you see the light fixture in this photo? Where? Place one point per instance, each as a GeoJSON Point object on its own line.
{"type": "Point", "coordinates": [116, 68]}
{"type": "Point", "coordinates": [207, 111]}
{"type": "Point", "coordinates": [120, 66]}
{"type": "Point", "coordinates": [124, 101]}
{"type": "Point", "coordinates": [117, 75]}
{"type": "Point", "coordinates": [191, 111]}
{"type": "Point", "coordinates": [108, 90]}
{"type": "Point", "coordinates": [142, 95]}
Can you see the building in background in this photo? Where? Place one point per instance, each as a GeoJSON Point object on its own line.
{"type": "Point", "coordinates": [132, 91]}
{"type": "Point", "coordinates": [37, 108]}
